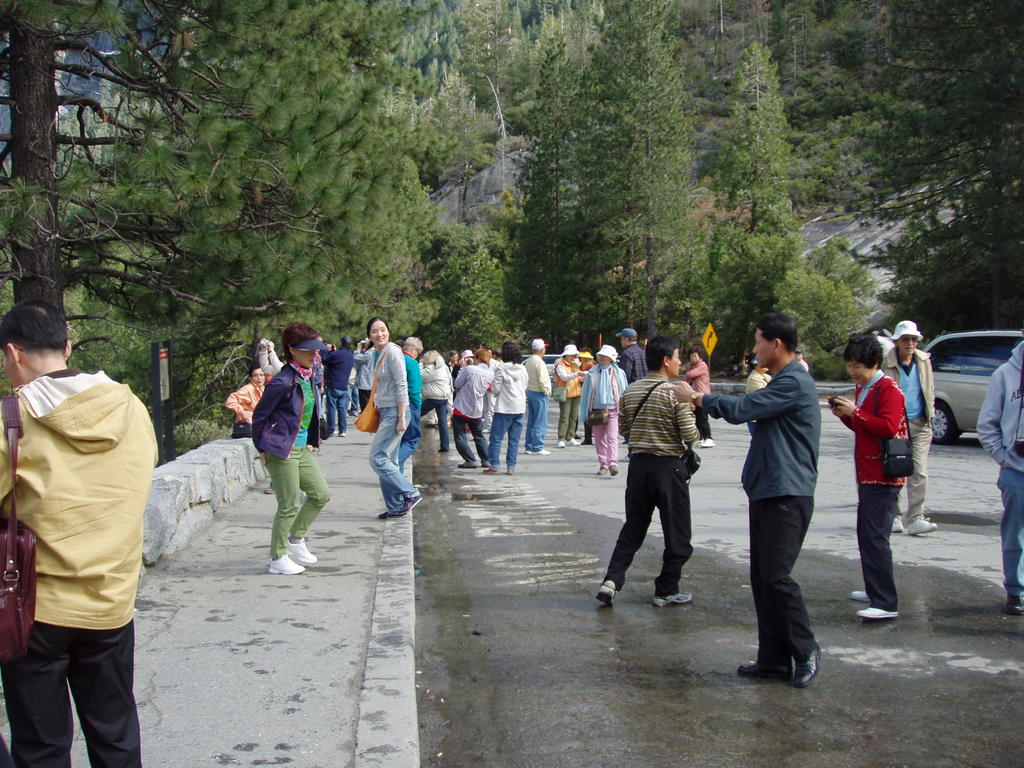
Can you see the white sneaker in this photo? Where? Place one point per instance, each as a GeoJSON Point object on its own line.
{"type": "Point", "coordinates": [284, 566]}
{"type": "Point", "coordinates": [877, 614]}
{"type": "Point", "coordinates": [860, 596]}
{"type": "Point", "coordinates": [679, 598]}
{"type": "Point", "coordinates": [542, 452]}
{"type": "Point", "coordinates": [607, 592]}
{"type": "Point", "coordinates": [561, 443]}
{"type": "Point", "coordinates": [709, 443]}
{"type": "Point", "coordinates": [298, 552]}
{"type": "Point", "coordinates": [574, 441]}
{"type": "Point", "coordinates": [921, 525]}
{"type": "Point", "coordinates": [897, 525]}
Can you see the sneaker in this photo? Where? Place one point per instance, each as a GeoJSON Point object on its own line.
{"type": "Point", "coordinates": [587, 442]}
{"type": "Point", "coordinates": [602, 471]}
{"type": "Point", "coordinates": [531, 453]}
{"type": "Point", "coordinates": [607, 592]}
{"type": "Point", "coordinates": [877, 614]}
{"type": "Point", "coordinates": [897, 525]}
{"type": "Point", "coordinates": [343, 434]}
{"type": "Point", "coordinates": [679, 598]}
{"type": "Point", "coordinates": [860, 596]}
{"type": "Point", "coordinates": [709, 443]}
{"type": "Point", "coordinates": [574, 442]}
{"type": "Point", "coordinates": [392, 513]}
{"type": "Point", "coordinates": [561, 443]}
{"type": "Point", "coordinates": [1014, 605]}
{"type": "Point", "coordinates": [510, 471]}
{"type": "Point", "coordinates": [543, 452]}
{"type": "Point", "coordinates": [921, 525]}
{"type": "Point", "coordinates": [298, 552]}
{"type": "Point", "coordinates": [613, 470]}
{"type": "Point", "coordinates": [269, 491]}
{"type": "Point", "coordinates": [412, 501]}
{"type": "Point", "coordinates": [485, 464]}
{"type": "Point", "coordinates": [284, 566]}
{"type": "Point", "coordinates": [468, 465]}
{"type": "Point", "coordinates": [491, 471]}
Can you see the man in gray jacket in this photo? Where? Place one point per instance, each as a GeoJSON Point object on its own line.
{"type": "Point", "coordinates": [1001, 432]}
{"type": "Point", "coordinates": [911, 368]}
{"type": "Point", "coordinates": [779, 476]}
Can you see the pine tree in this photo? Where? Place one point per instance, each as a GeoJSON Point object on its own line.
{"type": "Point", "coordinates": [542, 282]}
{"type": "Point", "coordinates": [754, 250]}
{"type": "Point", "coordinates": [634, 169]}
{"type": "Point", "coordinates": [237, 165]}
{"type": "Point", "coordinates": [951, 154]}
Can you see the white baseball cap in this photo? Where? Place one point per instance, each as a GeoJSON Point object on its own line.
{"type": "Point", "coordinates": [906, 328]}
{"type": "Point", "coordinates": [537, 345]}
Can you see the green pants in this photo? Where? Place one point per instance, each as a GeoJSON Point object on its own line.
{"type": "Point", "coordinates": [299, 472]}
{"type": "Point", "coordinates": [568, 418]}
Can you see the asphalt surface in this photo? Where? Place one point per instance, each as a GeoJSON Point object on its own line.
{"type": "Point", "coordinates": [519, 665]}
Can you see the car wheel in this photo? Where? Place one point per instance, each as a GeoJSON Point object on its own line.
{"type": "Point", "coordinates": [944, 429]}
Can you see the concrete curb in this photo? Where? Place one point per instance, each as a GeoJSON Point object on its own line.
{"type": "Point", "coordinates": [387, 734]}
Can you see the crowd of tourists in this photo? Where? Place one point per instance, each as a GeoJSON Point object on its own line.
{"type": "Point", "coordinates": [657, 398]}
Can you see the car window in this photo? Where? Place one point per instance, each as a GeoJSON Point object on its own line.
{"type": "Point", "coordinates": [972, 355]}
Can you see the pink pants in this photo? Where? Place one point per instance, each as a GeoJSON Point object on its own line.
{"type": "Point", "coordinates": [606, 439]}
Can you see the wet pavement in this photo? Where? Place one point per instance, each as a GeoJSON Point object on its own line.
{"type": "Point", "coordinates": [519, 665]}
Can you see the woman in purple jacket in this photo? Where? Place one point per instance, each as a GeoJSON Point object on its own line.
{"type": "Point", "coordinates": [285, 431]}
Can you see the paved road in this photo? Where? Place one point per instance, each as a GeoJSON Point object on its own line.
{"type": "Point", "coordinates": [520, 666]}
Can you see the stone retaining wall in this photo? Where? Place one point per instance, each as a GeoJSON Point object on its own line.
{"type": "Point", "coordinates": [189, 490]}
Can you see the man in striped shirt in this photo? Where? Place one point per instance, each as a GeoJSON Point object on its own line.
{"type": "Point", "coordinates": [659, 428]}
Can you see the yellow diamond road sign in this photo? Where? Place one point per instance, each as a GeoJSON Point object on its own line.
{"type": "Point", "coordinates": [710, 338]}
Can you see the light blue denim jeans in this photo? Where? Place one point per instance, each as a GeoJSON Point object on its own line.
{"type": "Point", "coordinates": [384, 461]}
{"type": "Point", "coordinates": [536, 420]}
{"type": "Point", "coordinates": [502, 424]}
{"type": "Point", "coordinates": [337, 409]}
{"type": "Point", "coordinates": [1011, 529]}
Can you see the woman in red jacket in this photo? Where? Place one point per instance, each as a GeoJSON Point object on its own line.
{"type": "Point", "coordinates": [877, 412]}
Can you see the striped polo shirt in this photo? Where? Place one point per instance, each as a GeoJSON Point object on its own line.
{"type": "Point", "coordinates": [665, 425]}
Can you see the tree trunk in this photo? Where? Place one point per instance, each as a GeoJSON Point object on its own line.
{"type": "Point", "coordinates": [652, 285]}
{"type": "Point", "coordinates": [33, 161]}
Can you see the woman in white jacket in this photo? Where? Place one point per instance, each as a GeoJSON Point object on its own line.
{"type": "Point", "coordinates": [509, 393]}
{"type": "Point", "coordinates": [437, 393]}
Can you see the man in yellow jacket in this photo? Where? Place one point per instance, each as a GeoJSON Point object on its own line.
{"type": "Point", "coordinates": [85, 466]}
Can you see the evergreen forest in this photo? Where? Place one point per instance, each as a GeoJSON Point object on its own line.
{"type": "Point", "coordinates": [205, 172]}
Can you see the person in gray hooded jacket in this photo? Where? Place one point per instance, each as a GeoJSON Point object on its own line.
{"type": "Point", "coordinates": [1001, 432]}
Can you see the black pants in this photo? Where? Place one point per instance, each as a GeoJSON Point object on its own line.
{"type": "Point", "coordinates": [876, 509]}
{"type": "Point", "coordinates": [703, 423]}
{"type": "Point", "coordinates": [364, 397]}
{"type": "Point", "coordinates": [655, 481]}
{"type": "Point", "coordinates": [98, 666]}
{"type": "Point", "coordinates": [777, 529]}
{"type": "Point", "coordinates": [459, 424]}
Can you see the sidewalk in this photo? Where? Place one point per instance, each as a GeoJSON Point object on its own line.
{"type": "Point", "coordinates": [235, 666]}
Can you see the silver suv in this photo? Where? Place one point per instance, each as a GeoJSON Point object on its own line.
{"type": "Point", "coordinates": [963, 363]}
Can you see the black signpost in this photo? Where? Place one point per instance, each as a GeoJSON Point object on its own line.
{"type": "Point", "coordinates": [163, 404]}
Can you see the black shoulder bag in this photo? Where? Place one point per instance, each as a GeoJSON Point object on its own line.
{"type": "Point", "coordinates": [691, 459]}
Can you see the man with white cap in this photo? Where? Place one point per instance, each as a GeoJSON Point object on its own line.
{"type": "Point", "coordinates": [538, 391]}
{"type": "Point", "coordinates": [632, 361]}
{"type": "Point", "coordinates": [911, 368]}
